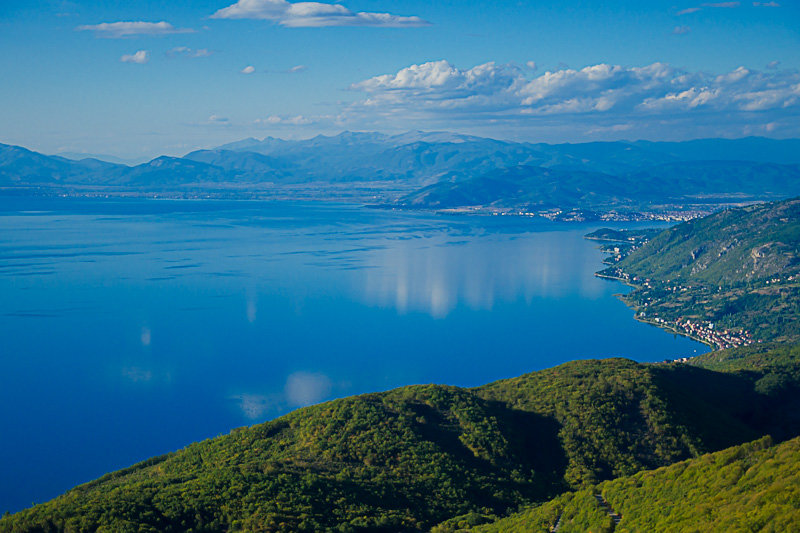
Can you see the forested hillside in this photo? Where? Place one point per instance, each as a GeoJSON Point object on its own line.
{"type": "Point", "coordinates": [751, 487]}
{"type": "Point", "coordinates": [737, 271]}
{"type": "Point", "coordinates": [728, 248]}
{"type": "Point", "coordinates": [417, 456]}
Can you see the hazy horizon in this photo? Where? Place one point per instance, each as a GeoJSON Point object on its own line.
{"type": "Point", "coordinates": [121, 159]}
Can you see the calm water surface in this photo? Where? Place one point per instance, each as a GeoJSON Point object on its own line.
{"type": "Point", "coordinates": [131, 328]}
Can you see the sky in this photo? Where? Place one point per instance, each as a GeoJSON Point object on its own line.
{"type": "Point", "coordinates": [140, 79]}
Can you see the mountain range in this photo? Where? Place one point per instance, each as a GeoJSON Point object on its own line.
{"type": "Point", "coordinates": [440, 170]}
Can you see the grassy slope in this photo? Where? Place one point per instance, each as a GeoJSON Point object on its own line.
{"type": "Point", "coordinates": [750, 487]}
{"type": "Point", "coordinates": [730, 247]}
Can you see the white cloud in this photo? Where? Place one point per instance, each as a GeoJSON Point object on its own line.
{"type": "Point", "coordinates": [248, 69]}
{"type": "Point", "coordinates": [117, 30]}
{"type": "Point", "coordinates": [312, 14]}
{"type": "Point", "coordinates": [769, 99]}
{"type": "Point", "coordinates": [185, 51]}
{"type": "Point", "coordinates": [141, 57]}
{"type": "Point", "coordinates": [273, 120]}
{"type": "Point", "coordinates": [297, 68]}
{"type": "Point", "coordinates": [216, 119]}
{"type": "Point", "coordinates": [772, 65]}
{"type": "Point", "coordinates": [766, 4]}
{"type": "Point", "coordinates": [614, 128]}
{"type": "Point", "coordinates": [304, 388]}
{"type": "Point", "coordinates": [688, 99]}
{"type": "Point", "coordinates": [711, 4]}
{"type": "Point", "coordinates": [734, 76]}
{"type": "Point", "coordinates": [591, 98]}
{"type": "Point", "coordinates": [681, 30]}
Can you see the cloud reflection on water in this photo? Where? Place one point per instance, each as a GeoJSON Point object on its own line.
{"type": "Point", "coordinates": [436, 279]}
{"type": "Point", "coordinates": [300, 389]}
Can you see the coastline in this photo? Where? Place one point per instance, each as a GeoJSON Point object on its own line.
{"type": "Point", "coordinates": [661, 325]}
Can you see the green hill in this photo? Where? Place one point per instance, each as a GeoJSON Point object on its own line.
{"type": "Point", "coordinates": [731, 247]}
{"type": "Point", "coordinates": [751, 487]}
{"type": "Point", "coordinates": [737, 271]}
{"type": "Point", "coordinates": [413, 457]}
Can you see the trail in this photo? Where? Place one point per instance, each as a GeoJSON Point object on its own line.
{"type": "Point", "coordinates": [615, 516]}
{"type": "Point", "coordinates": [555, 527]}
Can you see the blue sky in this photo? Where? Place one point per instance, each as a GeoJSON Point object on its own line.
{"type": "Point", "coordinates": [138, 79]}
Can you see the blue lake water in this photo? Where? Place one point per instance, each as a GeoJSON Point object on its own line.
{"type": "Point", "coordinates": [132, 327]}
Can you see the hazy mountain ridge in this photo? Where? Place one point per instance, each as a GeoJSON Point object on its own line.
{"type": "Point", "coordinates": [460, 168]}
{"type": "Point", "coordinates": [536, 188]}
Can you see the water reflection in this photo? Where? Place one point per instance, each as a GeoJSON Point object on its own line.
{"type": "Point", "coordinates": [300, 389]}
{"type": "Point", "coordinates": [438, 277]}
{"type": "Point", "coordinates": [131, 328]}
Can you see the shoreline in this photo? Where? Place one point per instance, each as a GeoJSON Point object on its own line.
{"type": "Point", "coordinates": [660, 325]}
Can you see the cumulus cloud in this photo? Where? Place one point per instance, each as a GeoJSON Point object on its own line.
{"type": "Point", "coordinates": [312, 14]}
{"type": "Point", "coordinates": [274, 120]}
{"type": "Point", "coordinates": [602, 95]}
{"type": "Point", "coordinates": [141, 57]}
{"type": "Point", "coordinates": [681, 30]}
{"type": "Point", "coordinates": [118, 30]}
{"type": "Point", "coordinates": [185, 51]}
{"type": "Point", "coordinates": [772, 65]}
{"type": "Point", "coordinates": [249, 69]}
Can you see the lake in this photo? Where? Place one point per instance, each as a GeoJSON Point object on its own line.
{"type": "Point", "coordinates": [131, 328]}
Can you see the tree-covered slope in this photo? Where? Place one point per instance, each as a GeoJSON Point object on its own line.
{"type": "Point", "coordinates": [399, 460]}
{"type": "Point", "coordinates": [414, 457]}
{"type": "Point", "coordinates": [750, 487]}
{"type": "Point", "coordinates": [734, 276]}
{"type": "Point", "coordinates": [727, 248]}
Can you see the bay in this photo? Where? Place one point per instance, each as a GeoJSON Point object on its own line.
{"type": "Point", "coordinates": [132, 327]}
